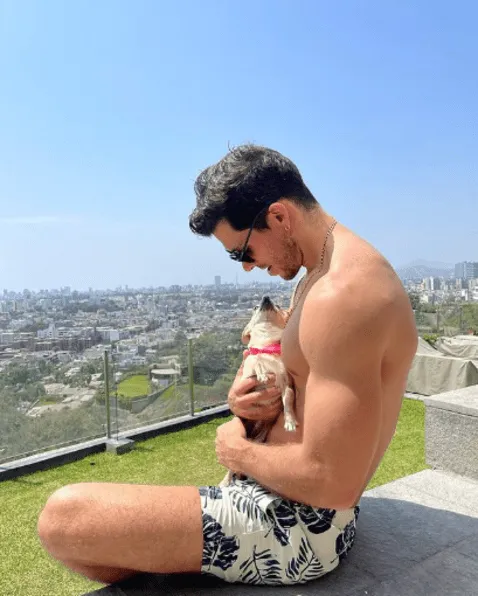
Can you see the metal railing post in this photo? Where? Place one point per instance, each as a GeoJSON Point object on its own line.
{"type": "Point", "coordinates": [191, 376]}
{"type": "Point", "coordinates": [107, 396]}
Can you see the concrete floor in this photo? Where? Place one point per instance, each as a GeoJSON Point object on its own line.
{"type": "Point", "coordinates": [416, 536]}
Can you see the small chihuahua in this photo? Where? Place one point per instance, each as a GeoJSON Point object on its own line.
{"type": "Point", "coordinates": [262, 335]}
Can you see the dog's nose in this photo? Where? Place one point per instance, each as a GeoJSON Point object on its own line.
{"type": "Point", "coordinates": [266, 303]}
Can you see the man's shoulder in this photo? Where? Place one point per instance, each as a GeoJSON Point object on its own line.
{"type": "Point", "coordinates": [351, 316]}
{"type": "Point", "coordinates": [362, 287]}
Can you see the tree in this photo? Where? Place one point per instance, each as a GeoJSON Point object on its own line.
{"type": "Point", "coordinates": [21, 434]}
{"type": "Point", "coordinates": [153, 325]}
{"type": "Point", "coordinates": [414, 300]}
{"type": "Point", "coordinates": [17, 374]}
{"type": "Point", "coordinates": [428, 308]}
{"type": "Point", "coordinates": [214, 355]}
{"type": "Point", "coordinates": [180, 338]}
{"type": "Point", "coordinates": [469, 318]}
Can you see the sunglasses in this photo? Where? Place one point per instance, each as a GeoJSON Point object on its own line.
{"type": "Point", "coordinates": [243, 255]}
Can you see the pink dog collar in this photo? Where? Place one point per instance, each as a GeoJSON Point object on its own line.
{"type": "Point", "coordinates": [272, 349]}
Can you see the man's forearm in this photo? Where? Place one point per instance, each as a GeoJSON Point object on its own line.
{"type": "Point", "coordinates": [283, 469]}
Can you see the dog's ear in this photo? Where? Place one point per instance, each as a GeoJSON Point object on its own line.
{"type": "Point", "coordinates": [246, 334]}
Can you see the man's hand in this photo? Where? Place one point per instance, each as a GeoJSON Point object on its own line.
{"type": "Point", "coordinates": [230, 442]}
{"type": "Point", "coordinates": [252, 401]}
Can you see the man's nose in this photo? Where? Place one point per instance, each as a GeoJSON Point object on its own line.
{"type": "Point", "coordinates": [248, 266]}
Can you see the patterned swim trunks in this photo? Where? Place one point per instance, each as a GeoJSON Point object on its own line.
{"type": "Point", "coordinates": [254, 536]}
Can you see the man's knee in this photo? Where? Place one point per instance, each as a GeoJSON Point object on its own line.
{"type": "Point", "coordinates": [60, 516]}
{"type": "Point", "coordinates": [103, 575]}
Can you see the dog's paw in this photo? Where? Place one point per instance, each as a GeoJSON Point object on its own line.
{"type": "Point", "coordinates": [290, 424]}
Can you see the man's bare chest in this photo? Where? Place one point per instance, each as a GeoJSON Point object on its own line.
{"type": "Point", "coordinates": [292, 354]}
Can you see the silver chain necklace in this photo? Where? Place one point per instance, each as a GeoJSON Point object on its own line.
{"type": "Point", "coordinates": [308, 276]}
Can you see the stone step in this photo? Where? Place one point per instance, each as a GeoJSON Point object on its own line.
{"type": "Point", "coordinates": [451, 431]}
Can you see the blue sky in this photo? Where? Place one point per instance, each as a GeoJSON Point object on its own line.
{"type": "Point", "coordinates": [109, 110]}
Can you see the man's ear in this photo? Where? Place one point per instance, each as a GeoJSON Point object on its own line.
{"type": "Point", "coordinates": [279, 213]}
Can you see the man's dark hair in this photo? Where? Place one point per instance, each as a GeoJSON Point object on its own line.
{"type": "Point", "coordinates": [236, 188]}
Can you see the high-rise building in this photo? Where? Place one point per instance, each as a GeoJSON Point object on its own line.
{"type": "Point", "coordinates": [466, 270]}
{"type": "Point", "coordinates": [217, 281]}
{"type": "Point", "coordinates": [428, 284]}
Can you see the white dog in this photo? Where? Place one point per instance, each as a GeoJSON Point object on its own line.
{"type": "Point", "coordinates": [263, 335]}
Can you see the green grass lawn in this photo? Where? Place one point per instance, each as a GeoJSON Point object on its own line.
{"type": "Point", "coordinates": [406, 454]}
{"type": "Point", "coordinates": [134, 386]}
{"type": "Point", "coordinates": [26, 570]}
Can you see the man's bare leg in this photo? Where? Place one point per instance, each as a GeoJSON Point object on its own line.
{"type": "Point", "coordinates": [109, 531]}
{"type": "Point", "coordinates": [104, 575]}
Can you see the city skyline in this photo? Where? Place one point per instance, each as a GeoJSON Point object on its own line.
{"type": "Point", "coordinates": [218, 281]}
{"type": "Point", "coordinates": [101, 142]}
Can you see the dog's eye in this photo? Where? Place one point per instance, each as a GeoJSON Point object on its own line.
{"type": "Point", "coordinates": [256, 307]}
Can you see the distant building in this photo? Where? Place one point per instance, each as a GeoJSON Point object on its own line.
{"type": "Point", "coordinates": [163, 377]}
{"type": "Point", "coordinates": [6, 337]}
{"type": "Point", "coordinates": [466, 270]}
{"type": "Point", "coordinates": [217, 281]}
{"type": "Point", "coordinates": [107, 334]}
{"type": "Point", "coordinates": [49, 333]}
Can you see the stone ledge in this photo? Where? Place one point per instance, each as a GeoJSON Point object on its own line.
{"type": "Point", "coordinates": [451, 441]}
{"type": "Point", "coordinates": [462, 401]}
{"type": "Point", "coordinates": [451, 431]}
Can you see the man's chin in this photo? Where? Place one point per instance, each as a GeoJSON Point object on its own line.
{"type": "Point", "coordinates": [290, 274]}
{"type": "Point", "coordinates": [285, 275]}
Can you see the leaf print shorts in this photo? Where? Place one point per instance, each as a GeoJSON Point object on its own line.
{"type": "Point", "coordinates": [254, 536]}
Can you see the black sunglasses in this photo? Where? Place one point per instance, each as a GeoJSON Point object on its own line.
{"type": "Point", "coordinates": [243, 256]}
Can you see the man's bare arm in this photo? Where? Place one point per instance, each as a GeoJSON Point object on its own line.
{"type": "Point", "coordinates": [342, 415]}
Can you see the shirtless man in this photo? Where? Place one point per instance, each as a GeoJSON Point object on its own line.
{"type": "Point", "coordinates": [290, 514]}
